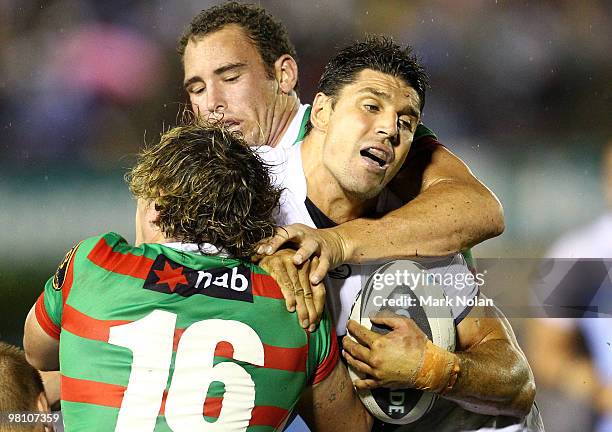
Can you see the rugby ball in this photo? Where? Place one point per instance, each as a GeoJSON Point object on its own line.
{"type": "Point", "coordinates": [391, 288]}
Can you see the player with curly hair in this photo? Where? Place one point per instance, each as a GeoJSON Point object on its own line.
{"type": "Point", "coordinates": [180, 332]}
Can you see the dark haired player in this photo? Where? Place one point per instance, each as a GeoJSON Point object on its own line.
{"type": "Point", "coordinates": [181, 332]}
{"type": "Point", "coordinates": [368, 105]}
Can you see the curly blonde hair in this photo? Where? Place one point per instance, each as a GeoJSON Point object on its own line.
{"type": "Point", "coordinates": [208, 186]}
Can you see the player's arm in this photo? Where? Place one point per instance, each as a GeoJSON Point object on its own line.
{"type": "Point", "coordinates": [488, 373]}
{"type": "Point", "coordinates": [447, 210]}
{"type": "Point", "coordinates": [51, 382]}
{"type": "Point", "coordinates": [332, 405]}
{"type": "Point", "coordinates": [452, 211]}
{"type": "Point", "coordinates": [494, 375]}
{"type": "Point", "coordinates": [42, 350]}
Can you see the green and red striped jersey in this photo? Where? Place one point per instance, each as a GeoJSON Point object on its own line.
{"type": "Point", "coordinates": [154, 338]}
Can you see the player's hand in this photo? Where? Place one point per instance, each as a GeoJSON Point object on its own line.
{"type": "Point", "coordinates": [325, 244]}
{"type": "Point", "coordinates": [299, 293]}
{"type": "Point", "coordinates": [392, 360]}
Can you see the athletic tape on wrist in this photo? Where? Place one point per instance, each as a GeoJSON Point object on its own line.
{"type": "Point", "coordinates": [439, 370]}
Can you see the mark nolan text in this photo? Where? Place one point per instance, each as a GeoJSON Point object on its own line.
{"type": "Point", "coordinates": [409, 301]}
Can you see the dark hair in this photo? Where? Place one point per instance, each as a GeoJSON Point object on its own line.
{"type": "Point", "coordinates": [378, 53]}
{"type": "Point", "coordinates": [267, 33]}
{"type": "Point", "coordinates": [20, 383]}
{"type": "Point", "coordinates": [209, 186]}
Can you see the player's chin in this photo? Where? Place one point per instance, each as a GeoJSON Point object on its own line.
{"type": "Point", "coordinates": [369, 188]}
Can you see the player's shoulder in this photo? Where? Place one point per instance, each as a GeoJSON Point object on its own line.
{"type": "Point", "coordinates": [424, 140]}
{"type": "Point", "coordinates": [278, 161]}
{"type": "Point", "coordinates": [100, 247]}
{"type": "Point", "coordinates": [79, 254]}
{"type": "Point", "coordinates": [107, 240]}
{"type": "Point", "coordinates": [423, 131]}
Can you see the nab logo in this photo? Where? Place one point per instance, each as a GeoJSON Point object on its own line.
{"type": "Point", "coordinates": [169, 277]}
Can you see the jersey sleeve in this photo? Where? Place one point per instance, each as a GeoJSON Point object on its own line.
{"type": "Point", "coordinates": [323, 351]}
{"type": "Point", "coordinates": [48, 310]}
{"type": "Point", "coordinates": [50, 303]}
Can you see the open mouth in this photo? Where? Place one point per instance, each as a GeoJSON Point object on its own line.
{"type": "Point", "coordinates": [376, 155]}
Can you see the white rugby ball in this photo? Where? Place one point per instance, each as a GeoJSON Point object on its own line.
{"type": "Point", "coordinates": [390, 288]}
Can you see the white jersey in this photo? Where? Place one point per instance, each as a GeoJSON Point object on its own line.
{"type": "Point", "coordinates": [345, 282]}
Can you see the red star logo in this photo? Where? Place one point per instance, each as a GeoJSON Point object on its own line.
{"type": "Point", "coordinates": [171, 276]}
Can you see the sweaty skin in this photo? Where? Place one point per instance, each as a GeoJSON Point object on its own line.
{"type": "Point", "coordinates": [225, 78]}
{"type": "Point", "coordinates": [493, 376]}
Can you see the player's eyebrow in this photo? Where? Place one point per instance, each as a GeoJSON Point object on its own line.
{"type": "Point", "coordinates": [219, 71]}
{"type": "Point", "coordinates": [229, 67]}
{"type": "Point", "coordinates": [386, 96]}
{"type": "Point", "coordinates": [379, 93]}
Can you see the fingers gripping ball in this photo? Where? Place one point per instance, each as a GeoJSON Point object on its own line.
{"type": "Point", "coordinates": [409, 292]}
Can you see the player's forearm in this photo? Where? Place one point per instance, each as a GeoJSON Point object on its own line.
{"type": "Point", "coordinates": [446, 218]}
{"type": "Point", "coordinates": [332, 405]}
{"type": "Point", "coordinates": [494, 379]}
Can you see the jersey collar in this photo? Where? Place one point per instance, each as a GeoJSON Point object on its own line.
{"type": "Point", "coordinates": [297, 128]}
{"type": "Point", "coordinates": [205, 248]}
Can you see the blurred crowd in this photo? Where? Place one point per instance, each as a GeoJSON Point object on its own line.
{"type": "Point", "coordinates": [83, 80]}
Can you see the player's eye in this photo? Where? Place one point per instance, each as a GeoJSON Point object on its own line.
{"type": "Point", "coordinates": [371, 107]}
{"type": "Point", "coordinates": [405, 124]}
{"type": "Point", "coordinates": [196, 90]}
{"type": "Point", "coordinates": [232, 78]}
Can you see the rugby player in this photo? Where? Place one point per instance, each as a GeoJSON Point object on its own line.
{"type": "Point", "coordinates": [21, 391]}
{"type": "Point", "coordinates": [181, 331]}
{"type": "Point", "coordinates": [239, 65]}
{"type": "Point", "coordinates": [371, 96]}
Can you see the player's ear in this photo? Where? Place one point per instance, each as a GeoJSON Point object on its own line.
{"type": "Point", "coordinates": [153, 211]}
{"type": "Point", "coordinates": [321, 111]}
{"type": "Point", "coordinates": [41, 403]}
{"type": "Point", "coordinates": [286, 73]}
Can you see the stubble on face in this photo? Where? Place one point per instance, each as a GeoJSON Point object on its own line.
{"type": "Point", "coordinates": [370, 132]}
{"type": "Point", "coordinates": [225, 78]}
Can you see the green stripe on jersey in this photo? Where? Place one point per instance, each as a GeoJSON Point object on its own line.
{"type": "Point", "coordinates": [305, 120]}
{"type": "Point", "coordinates": [87, 417]}
{"type": "Point", "coordinates": [106, 363]}
{"type": "Point", "coordinates": [101, 295]}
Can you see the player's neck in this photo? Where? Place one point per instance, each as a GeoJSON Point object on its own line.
{"type": "Point", "coordinates": [153, 237]}
{"type": "Point", "coordinates": [324, 190]}
{"type": "Point", "coordinates": [285, 110]}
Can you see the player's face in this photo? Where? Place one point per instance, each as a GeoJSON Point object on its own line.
{"type": "Point", "coordinates": [225, 76]}
{"type": "Point", "coordinates": [370, 131]}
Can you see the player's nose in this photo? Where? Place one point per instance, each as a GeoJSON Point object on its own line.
{"type": "Point", "coordinates": [215, 101]}
{"type": "Point", "coordinates": [387, 126]}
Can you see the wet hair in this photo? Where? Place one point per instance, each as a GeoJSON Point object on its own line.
{"type": "Point", "coordinates": [209, 186]}
{"type": "Point", "coordinates": [378, 53]}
